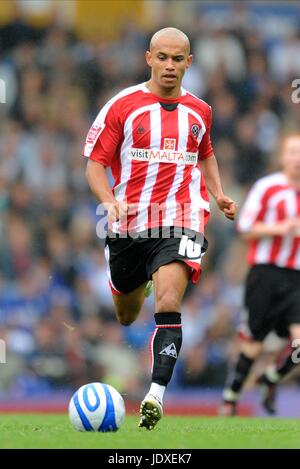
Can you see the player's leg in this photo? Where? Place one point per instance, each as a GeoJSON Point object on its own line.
{"type": "Point", "coordinates": [258, 302]}
{"type": "Point", "coordinates": [170, 282]}
{"type": "Point", "coordinates": [171, 262]}
{"type": "Point", "coordinates": [128, 305]}
{"type": "Point", "coordinates": [288, 325]}
{"type": "Point", "coordinates": [249, 351]}
{"type": "Point", "coordinates": [291, 361]}
{"type": "Point", "coordinates": [286, 361]}
{"type": "Point", "coordinates": [128, 278]}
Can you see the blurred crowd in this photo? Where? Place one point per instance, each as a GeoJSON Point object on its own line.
{"type": "Point", "coordinates": [56, 313]}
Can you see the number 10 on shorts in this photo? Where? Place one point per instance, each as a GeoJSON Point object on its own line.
{"type": "Point", "coordinates": [189, 248]}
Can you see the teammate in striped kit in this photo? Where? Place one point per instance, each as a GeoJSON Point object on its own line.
{"type": "Point", "coordinates": [155, 137]}
{"type": "Point", "coordinates": [270, 221]}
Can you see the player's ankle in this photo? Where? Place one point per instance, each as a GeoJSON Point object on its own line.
{"type": "Point", "coordinates": [230, 396]}
{"type": "Point", "coordinates": [272, 374]}
{"type": "Point", "coordinates": [157, 391]}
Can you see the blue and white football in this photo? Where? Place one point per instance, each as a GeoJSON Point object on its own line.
{"type": "Point", "coordinates": [97, 407]}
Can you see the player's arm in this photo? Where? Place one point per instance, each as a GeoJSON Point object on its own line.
{"type": "Point", "coordinates": [100, 147]}
{"type": "Point", "coordinates": [251, 224]}
{"type": "Point", "coordinates": [210, 170]}
{"type": "Point", "coordinates": [260, 230]}
{"type": "Point", "coordinates": [99, 185]}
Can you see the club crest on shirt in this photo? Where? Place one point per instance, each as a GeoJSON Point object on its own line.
{"type": "Point", "coordinates": [169, 143]}
{"type": "Point", "coordinates": [195, 129]}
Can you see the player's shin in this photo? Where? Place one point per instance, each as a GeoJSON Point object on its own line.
{"type": "Point", "coordinates": [165, 346]}
{"type": "Point", "coordinates": [241, 371]}
{"type": "Point", "coordinates": [285, 364]}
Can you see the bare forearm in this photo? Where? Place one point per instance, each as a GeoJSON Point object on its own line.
{"type": "Point", "coordinates": [261, 230]}
{"type": "Point", "coordinates": [267, 230]}
{"type": "Point", "coordinates": [98, 182]}
{"type": "Point", "coordinates": [210, 170]}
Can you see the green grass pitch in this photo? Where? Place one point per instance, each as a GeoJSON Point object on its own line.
{"type": "Point", "coordinates": [54, 431]}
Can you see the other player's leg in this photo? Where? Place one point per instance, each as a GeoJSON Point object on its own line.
{"type": "Point", "coordinates": [249, 351]}
{"type": "Point", "coordinates": [285, 363]}
{"type": "Point", "coordinates": [170, 282]}
{"type": "Point", "coordinates": [288, 325]}
{"type": "Point", "coordinates": [259, 303]}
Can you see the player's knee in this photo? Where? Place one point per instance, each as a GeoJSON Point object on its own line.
{"type": "Point", "coordinates": [126, 318]}
{"type": "Point", "coordinates": [125, 321]}
{"type": "Point", "coordinates": [295, 332]}
{"type": "Point", "coordinates": [251, 348]}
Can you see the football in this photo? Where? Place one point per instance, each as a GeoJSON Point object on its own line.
{"type": "Point", "coordinates": [97, 407]}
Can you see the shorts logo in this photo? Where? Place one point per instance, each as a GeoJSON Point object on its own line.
{"type": "Point", "coordinates": [195, 129]}
{"type": "Point", "coordinates": [141, 130]}
{"type": "Point", "coordinates": [169, 143]}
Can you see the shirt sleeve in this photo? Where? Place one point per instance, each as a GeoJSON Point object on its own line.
{"type": "Point", "coordinates": [104, 136]}
{"type": "Point", "coordinates": [205, 148]}
{"type": "Point", "coordinates": [251, 209]}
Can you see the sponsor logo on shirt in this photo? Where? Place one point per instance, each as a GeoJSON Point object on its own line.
{"type": "Point", "coordinates": [94, 132]}
{"type": "Point", "coordinates": [163, 156]}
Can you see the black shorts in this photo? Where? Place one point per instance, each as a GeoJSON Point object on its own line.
{"type": "Point", "coordinates": [272, 300]}
{"type": "Point", "coordinates": [132, 261]}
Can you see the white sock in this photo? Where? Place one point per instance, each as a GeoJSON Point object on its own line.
{"type": "Point", "coordinates": [157, 390]}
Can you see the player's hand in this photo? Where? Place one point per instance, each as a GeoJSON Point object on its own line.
{"type": "Point", "coordinates": [117, 210]}
{"type": "Point", "coordinates": [227, 206]}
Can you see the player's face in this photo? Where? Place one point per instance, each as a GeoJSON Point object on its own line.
{"type": "Point", "coordinates": [169, 60]}
{"type": "Point", "coordinates": [290, 156]}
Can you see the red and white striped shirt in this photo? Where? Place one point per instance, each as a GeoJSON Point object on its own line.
{"type": "Point", "coordinates": [272, 199]}
{"type": "Point", "coordinates": [153, 146]}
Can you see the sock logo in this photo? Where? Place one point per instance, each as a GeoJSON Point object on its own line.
{"type": "Point", "coordinates": [170, 350]}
